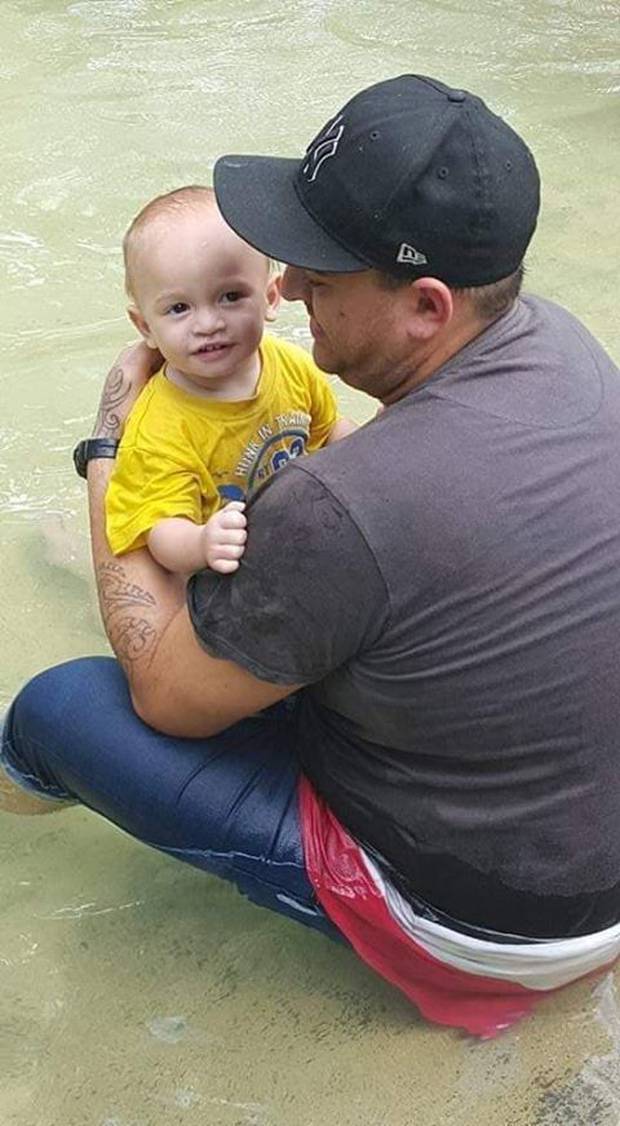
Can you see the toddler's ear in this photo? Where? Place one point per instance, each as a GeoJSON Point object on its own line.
{"type": "Point", "coordinates": [136, 318]}
{"type": "Point", "coordinates": [274, 294]}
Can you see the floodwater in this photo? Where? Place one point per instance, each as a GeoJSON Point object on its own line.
{"type": "Point", "coordinates": [135, 991]}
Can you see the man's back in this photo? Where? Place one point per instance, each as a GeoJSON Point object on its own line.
{"type": "Point", "coordinates": [465, 722]}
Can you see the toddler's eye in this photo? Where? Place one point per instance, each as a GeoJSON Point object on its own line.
{"type": "Point", "coordinates": [178, 308]}
{"type": "Point", "coordinates": [232, 296]}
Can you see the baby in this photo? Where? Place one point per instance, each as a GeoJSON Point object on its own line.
{"type": "Point", "coordinates": [228, 408]}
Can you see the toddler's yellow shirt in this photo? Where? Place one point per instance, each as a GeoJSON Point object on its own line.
{"type": "Point", "coordinates": [182, 455]}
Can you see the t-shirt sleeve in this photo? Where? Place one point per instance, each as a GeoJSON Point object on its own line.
{"type": "Point", "coordinates": [308, 595]}
{"type": "Point", "coordinates": [145, 488]}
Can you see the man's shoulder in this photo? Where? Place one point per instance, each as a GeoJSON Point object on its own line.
{"type": "Point", "coordinates": [547, 318]}
{"type": "Point", "coordinates": [537, 366]}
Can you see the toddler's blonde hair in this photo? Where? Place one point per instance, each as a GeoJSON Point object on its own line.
{"type": "Point", "coordinates": [170, 203]}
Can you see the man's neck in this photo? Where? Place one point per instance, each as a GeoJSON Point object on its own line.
{"type": "Point", "coordinates": [430, 359]}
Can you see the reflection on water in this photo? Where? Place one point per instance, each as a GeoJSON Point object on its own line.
{"type": "Point", "coordinates": [135, 992]}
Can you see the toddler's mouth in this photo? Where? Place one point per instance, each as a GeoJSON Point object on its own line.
{"type": "Point", "coordinates": [207, 349]}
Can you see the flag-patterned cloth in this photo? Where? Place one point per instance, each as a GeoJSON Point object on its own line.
{"type": "Point", "coordinates": [453, 978]}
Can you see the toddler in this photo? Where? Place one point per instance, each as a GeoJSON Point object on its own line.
{"type": "Point", "coordinates": [229, 406]}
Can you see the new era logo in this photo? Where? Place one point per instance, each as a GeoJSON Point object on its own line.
{"type": "Point", "coordinates": [322, 148]}
{"type": "Point", "coordinates": [410, 256]}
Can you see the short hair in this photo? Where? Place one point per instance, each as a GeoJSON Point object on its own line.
{"type": "Point", "coordinates": [493, 300]}
{"type": "Point", "coordinates": [488, 301]}
{"type": "Point", "coordinates": [170, 203]}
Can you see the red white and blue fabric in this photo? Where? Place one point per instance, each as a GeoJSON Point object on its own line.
{"type": "Point", "coordinates": [452, 978]}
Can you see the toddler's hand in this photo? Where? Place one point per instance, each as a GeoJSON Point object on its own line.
{"type": "Point", "coordinates": [223, 538]}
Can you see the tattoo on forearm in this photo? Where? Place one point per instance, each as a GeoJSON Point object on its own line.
{"type": "Point", "coordinates": [131, 636]}
{"type": "Point", "coordinates": [117, 387]}
{"type": "Point", "coordinates": [117, 592]}
{"type": "Point", "coordinates": [134, 638]}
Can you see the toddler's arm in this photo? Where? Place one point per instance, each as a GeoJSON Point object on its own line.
{"type": "Point", "coordinates": [182, 546]}
{"type": "Point", "coordinates": [340, 429]}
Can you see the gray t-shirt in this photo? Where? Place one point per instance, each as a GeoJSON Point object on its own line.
{"type": "Point", "coordinates": [447, 582]}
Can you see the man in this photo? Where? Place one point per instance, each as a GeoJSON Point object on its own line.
{"type": "Point", "coordinates": [398, 722]}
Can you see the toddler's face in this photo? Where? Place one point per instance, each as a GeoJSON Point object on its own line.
{"type": "Point", "coordinates": [202, 295]}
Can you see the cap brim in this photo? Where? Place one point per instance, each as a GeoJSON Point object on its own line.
{"type": "Point", "coordinates": [257, 197]}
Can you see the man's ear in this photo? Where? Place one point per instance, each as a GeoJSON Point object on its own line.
{"type": "Point", "coordinates": [430, 307]}
{"type": "Point", "coordinates": [274, 296]}
{"type": "Point", "coordinates": [136, 318]}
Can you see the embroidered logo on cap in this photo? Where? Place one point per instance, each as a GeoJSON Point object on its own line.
{"type": "Point", "coordinates": [322, 148]}
{"type": "Point", "coordinates": [410, 256]}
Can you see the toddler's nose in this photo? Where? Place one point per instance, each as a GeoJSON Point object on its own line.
{"type": "Point", "coordinates": [208, 321]}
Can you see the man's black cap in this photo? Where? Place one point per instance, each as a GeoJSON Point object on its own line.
{"type": "Point", "coordinates": [410, 177]}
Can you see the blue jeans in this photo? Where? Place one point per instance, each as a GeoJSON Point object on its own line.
{"type": "Point", "coordinates": [227, 804]}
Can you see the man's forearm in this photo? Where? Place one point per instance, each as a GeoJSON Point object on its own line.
{"type": "Point", "coordinates": [138, 598]}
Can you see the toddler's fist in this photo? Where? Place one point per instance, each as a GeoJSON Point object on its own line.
{"type": "Point", "coordinates": [224, 536]}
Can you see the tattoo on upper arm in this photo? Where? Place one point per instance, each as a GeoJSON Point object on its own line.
{"type": "Point", "coordinates": [123, 605]}
{"type": "Point", "coordinates": [117, 387]}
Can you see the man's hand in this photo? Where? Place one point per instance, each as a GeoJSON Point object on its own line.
{"type": "Point", "coordinates": [223, 538]}
{"type": "Point", "coordinates": [124, 382]}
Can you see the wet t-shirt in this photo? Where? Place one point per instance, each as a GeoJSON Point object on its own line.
{"type": "Point", "coordinates": [446, 581]}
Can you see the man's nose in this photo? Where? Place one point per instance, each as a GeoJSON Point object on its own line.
{"type": "Point", "coordinates": [294, 284]}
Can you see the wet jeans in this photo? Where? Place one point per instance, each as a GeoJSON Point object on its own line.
{"type": "Point", "coordinates": [227, 804]}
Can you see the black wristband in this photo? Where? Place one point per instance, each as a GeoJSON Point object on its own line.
{"type": "Point", "coordinates": [89, 448]}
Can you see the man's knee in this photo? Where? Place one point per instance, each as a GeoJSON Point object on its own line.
{"type": "Point", "coordinates": [60, 700]}
{"type": "Point", "coordinates": [38, 722]}
{"type": "Point", "coordinates": [15, 799]}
